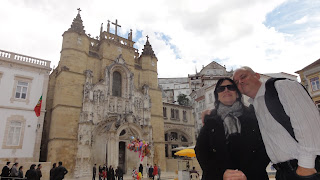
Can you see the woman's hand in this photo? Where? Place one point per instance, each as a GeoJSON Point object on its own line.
{"type": "Point", "coordinates": [230, 174]}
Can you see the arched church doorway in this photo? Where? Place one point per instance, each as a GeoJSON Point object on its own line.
{"type": "Point", "coordinates": [122, 155]}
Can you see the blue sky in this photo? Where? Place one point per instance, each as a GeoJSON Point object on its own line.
{"type": "Point", "coordinates": [268, 35]}
{"type": "Point", "coordinates": [294, 17]}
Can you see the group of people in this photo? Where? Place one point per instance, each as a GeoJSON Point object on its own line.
{"type": "Point", "coordinates": [154, 171]}
{"type": "Point", "coordinates": [107, 173]}
{"type": "Point", "coordinates": [237, 142]}
{"type": "Point", "coordinates": [58, 173]}
{"type": "Point", "coordinates": [151, 171]}
{"type": "Point", "coordinates": [14, 172]}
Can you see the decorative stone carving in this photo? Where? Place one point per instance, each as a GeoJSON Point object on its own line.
{"type": "Point", "coordinates": [119, 107]}
{"type": "Point", "coordinates": [120, 59]}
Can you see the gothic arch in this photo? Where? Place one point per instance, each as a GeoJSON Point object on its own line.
{"type": "Point", "coordinates": [126, 79]}
{"type": "Point", "coordinates": [180, 133]}
{"type": "Point", "coordinates": [131, 130]}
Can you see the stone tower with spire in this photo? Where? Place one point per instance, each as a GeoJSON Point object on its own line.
{"type": "Point", "coordinates": [102, 94]}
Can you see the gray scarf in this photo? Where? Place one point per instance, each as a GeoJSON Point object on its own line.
{"type": "Point", "coordinates": [229, 115]}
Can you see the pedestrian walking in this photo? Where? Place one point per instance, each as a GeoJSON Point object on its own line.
{"type": "Point", "coordinates": [31, 174]}
{"type": "Point", "coordinates": [39, 173]}
{"type": "Point", "coordinates": [52, 171]}
{"type": "Point", "coordinates": [60, 171]}
{"type": "Point", "coordinates": [94, 171]}
{"type": "Point", "coordinates": [141, 169]}
{"type": "Point", "coordinates": [20, 173]}
{"type": "Point", "coordinates": [159, 172]}
{"type": "Point", "coordinates": [150, 172]}
{"type": "Point", "coordinates": [119, 173]}
{"type": "Point", "coordinates": [14, 172]}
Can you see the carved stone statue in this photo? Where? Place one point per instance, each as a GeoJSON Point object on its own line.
{"type": "Point", "coordinates": [119, 107]}
{"type": "Point", "coordinates": [111, 106]}
{"type": "Point", "coordinates": [130, 35]}
{"type": "Point", "coordinates": [101, 97]}
{"type": "Point", "coordinates": [95, 96]}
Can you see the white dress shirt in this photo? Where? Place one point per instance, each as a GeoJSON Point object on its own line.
{"type": "Point", "coordinates": [305, 120]}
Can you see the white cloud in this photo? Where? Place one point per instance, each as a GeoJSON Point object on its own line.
{"type": "Point", "coordinates": [303, 20]}
{"type": "Point", "coordinates": [204, 30]}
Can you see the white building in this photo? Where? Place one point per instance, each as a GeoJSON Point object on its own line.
{"type": "Point", "coordinates": [23, 80]}
{"type": "Point", "coordinates": [173, 87]}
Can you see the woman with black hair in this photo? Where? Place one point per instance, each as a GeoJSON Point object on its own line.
{"type": "Point", "coordinates": [229, 144]}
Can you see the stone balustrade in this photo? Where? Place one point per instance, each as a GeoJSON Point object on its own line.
{"type": "Point", "coordinates": [10, 56]}
{"type": "Point", "coordinates": [121, 40]}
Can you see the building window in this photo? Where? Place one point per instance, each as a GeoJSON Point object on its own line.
{"type": "Point", "coordinates": [21, 89]}
{"type": "Point", "coordinates": [173, 136]}
{"type": "Point", "coordinates": [184, 115]}
{"type": "Point", "coordinates": [166, 150]}
{"type": "Point", "coordinates": [116, 84]}
{"type": "Point", "coordinates": [172, 113]}
{"type": "Point", "coordinates": [177, 114]}
{"type": "Point", "coordinates": [315, 83]}
{"type": "Point", "coordinates": [172, 152]}
{"type": "Point", "coordinates": [14, 132]}
{"type": "Point", "coordinates": [183, 139]}
{"type": "Point", "coordinates": [164, 112]}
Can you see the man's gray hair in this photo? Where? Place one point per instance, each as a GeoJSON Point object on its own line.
{"type": "Point", "coordinates": [246, 68]}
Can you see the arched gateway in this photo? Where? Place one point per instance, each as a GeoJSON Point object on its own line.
{"type": "Point", "coordinates": [113, 112]}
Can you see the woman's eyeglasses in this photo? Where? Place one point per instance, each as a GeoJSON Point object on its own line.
{"type": "Point", "coordinates": [229, 87]}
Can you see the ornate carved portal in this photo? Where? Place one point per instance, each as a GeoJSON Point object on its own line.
{"type": "Point", "coordinates": [108, 120]}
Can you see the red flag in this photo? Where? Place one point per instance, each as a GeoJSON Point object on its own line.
{"type": "Point", "coordinates": [37, 109]}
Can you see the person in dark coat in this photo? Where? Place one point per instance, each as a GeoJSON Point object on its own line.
{"type": "Point", "coordinates": [60, 172]}
{"type": "Point", "coordinates": [119, 173]}
{"type": "Point", "coordinates": [141, 169]}
{"type": "Point", "coordinates": [94, 172]}
{"type": "Point", "coordinates": [39, 173]}
{"type": "Point", "coordinates": [20, 172]}
{"type": "Point", "coordinates": [150, 172]}
{"type": "Point", "coordinates": [110, 173]}
{"type": "Point", "coordinates": [52, 171]}
{"type": "Point", "coordinates": [230, 138]}
{"type": "Point", "coordinates": [5, 171]}
{"type": "Point", "coordinates": [31, 174]}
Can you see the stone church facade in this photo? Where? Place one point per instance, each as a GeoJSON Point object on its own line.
{"type": "Point", "coordinates": [102, 94]}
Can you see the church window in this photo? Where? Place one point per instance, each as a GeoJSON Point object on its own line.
{"type": "Point", "coordinates": [173, 136]}
{"type": "Point", "coordinates": [164, 112]}
{"type": "Point", "coordinates": [116, 84]}
{"type": "Point", "coordinates": [166, 137]}
{"type": "Point", "coordinates": [123, 132]}
{"type": "Point", "coordinates": [183, 139]}
{"type": "Point", "coordinates": [315, 84]}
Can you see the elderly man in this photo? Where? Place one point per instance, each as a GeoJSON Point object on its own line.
{"type": "Point", "coordinates": [293, 155]}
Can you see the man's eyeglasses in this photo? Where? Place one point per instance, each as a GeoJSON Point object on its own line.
{"type": "Point", "coordinates": [229, 87]}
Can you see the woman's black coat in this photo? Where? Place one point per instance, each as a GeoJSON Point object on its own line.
{"type": "Point", "coordinates": [245, 152]}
